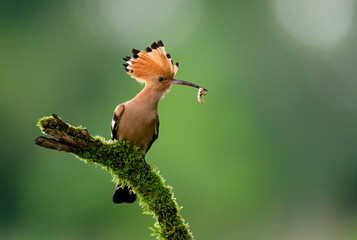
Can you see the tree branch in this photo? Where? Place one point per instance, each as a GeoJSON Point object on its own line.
{"type": "Point", "coordinates": [125, 164]}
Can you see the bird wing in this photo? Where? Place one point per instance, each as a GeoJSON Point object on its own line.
{"type": "Point", "coordinates": [116, 119]}
{"type": "Point", "coordinates": [121, 193]}
{"type": "Point", "coordinates": [155, 136]}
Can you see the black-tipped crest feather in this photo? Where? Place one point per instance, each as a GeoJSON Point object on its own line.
{"type": "Point", "coordinates": [135, 51]}
{"type": "Point", "coordinates": [160, 43]}
{"type": "Point", "coordinates": [154, 61]}
{"type": "Point", "coordinates": [154, 45]}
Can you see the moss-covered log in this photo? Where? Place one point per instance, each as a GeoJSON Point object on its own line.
{"type": "Point", "coordinates": [126, 166]}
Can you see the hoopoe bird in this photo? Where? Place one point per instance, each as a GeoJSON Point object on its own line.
{"type": "Point", "coordinates": [137, 120]}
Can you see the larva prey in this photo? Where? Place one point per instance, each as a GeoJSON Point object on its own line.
{"type": "Point", "coordinates": [201, 92]}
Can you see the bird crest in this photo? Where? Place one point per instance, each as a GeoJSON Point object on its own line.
{"type": "Point", "coordinates": [150, 64]}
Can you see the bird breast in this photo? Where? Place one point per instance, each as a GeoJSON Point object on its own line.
{"type": "Point", "coordinates": [137, 125]}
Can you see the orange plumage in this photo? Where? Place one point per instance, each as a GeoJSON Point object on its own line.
{"type": "Point", "coordinates": [152, 64]}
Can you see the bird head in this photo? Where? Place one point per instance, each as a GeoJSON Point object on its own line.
{"type": "Point", "coordinates": [154, 67]}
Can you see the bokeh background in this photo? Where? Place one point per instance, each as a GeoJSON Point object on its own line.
{"type": "Point", "coordinates": [271, 154]}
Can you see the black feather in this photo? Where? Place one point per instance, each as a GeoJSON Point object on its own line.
{"type": "Point", "coordinates": [123, 195]}
{"type": "Point", "coordinates": [154, 45]}
{"type": "Point", "coordinates": [160, 43]}
{"type": "Point", "coordinates": [125, 66]}
{"type": "Point", "coordinates": [135, 51]}
{"type": "Point", "coordinates": [154, 137]}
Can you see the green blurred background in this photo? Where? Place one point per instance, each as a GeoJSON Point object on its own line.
{"type": "Point", "coordinates": [271, 154]}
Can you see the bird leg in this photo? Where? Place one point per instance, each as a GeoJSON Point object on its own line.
{"type": "Point", "coordinates": [146, 164]}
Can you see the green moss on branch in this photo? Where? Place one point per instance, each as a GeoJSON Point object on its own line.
{"type": "Point", "coordinates": [126, 166]}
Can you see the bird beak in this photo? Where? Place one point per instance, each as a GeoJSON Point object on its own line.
{"type": "Point", "coordinates": [180, 82]}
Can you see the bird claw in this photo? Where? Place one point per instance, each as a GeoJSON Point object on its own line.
{"type": "Point", "coordinates": [147, 166]}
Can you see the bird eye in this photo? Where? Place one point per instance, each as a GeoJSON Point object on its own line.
{"type": "Point", "coordinates": [161, 79]}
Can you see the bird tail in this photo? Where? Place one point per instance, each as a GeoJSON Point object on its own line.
{"type": "Point", "coordinates": [123, 195]}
